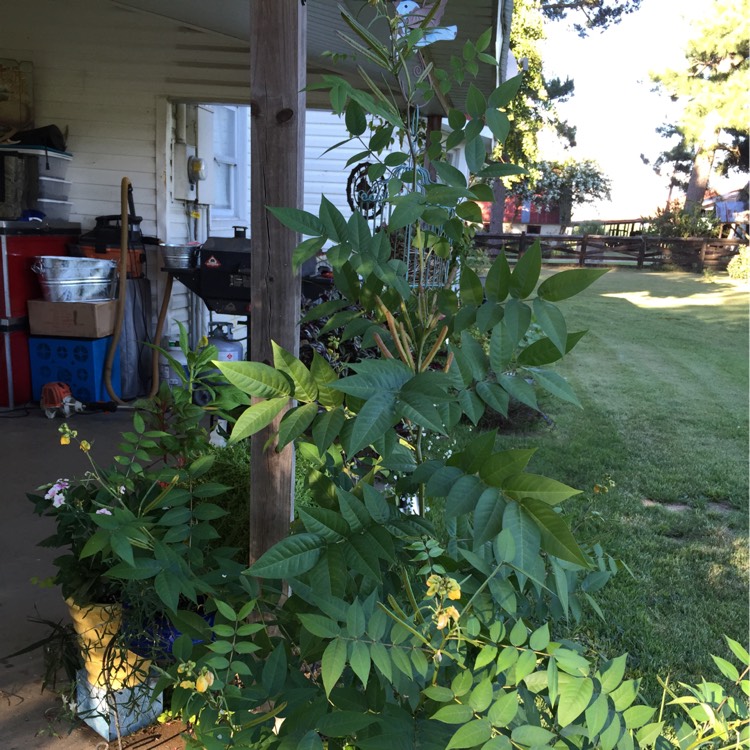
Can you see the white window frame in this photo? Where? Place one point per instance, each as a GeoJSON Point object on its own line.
{"type": "Point", "coordinates": [238, 211]}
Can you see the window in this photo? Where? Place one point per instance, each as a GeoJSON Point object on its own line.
{"type": "Point", "coordinates": [231, 157]}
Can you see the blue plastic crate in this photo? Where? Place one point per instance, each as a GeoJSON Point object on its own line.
{"type": "Point", "coordinates": [77, 362]}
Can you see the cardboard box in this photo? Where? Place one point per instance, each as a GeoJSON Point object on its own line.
{"type": "Point", "coordinates": [84, 320]}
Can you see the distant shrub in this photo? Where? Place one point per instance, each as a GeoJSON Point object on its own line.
{"type": "Point", "coordinates": [739, 266]}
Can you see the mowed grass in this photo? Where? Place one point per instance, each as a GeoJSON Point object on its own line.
{"type": "Point", "coordinates": [663, 379]}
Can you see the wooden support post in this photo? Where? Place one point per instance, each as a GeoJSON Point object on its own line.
{"type": "Point", "coordinates": [278, 53]}
{"type": "Point", "coordinates": [642, 252]}
{"type": "Point", "coordinates": [582, 256]}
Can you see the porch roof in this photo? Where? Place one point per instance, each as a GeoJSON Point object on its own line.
{"type": "Point", "coordinates": [231, 18]}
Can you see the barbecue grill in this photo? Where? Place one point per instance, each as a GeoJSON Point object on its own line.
{"type": "Point", "coordinates": [221, 277]}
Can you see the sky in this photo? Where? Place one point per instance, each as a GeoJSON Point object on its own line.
{"type": "Point", "coordinates": [614, 108]}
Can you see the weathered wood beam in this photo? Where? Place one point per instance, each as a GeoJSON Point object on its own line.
{"type": "Point", "coordinates": [278, 53]}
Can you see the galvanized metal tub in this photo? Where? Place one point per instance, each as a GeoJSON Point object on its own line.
{"type": "Point", "coordinates": [179, 256]}
{"type": "Point", "coordinates": [65, 279]}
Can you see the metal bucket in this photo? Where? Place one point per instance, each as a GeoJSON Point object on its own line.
{"type": "Point", "coordinates": [65, 279]}
{"type": "Point", "coordinates": [179, 256]}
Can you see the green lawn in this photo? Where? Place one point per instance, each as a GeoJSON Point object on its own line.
{"type": "Point", "coordinates": [663, 379]}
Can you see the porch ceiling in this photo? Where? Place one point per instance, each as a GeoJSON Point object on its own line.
{"type": "Point", "coordinates": [231, 18]}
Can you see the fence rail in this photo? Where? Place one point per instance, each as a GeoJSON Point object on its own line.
{"type": "Point", "coordinates": [693, 254]}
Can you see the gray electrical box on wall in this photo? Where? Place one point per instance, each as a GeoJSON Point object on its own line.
{"type": "Point", "coordinates": [184, 189]}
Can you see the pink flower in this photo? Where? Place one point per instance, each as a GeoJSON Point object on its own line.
{"type": "Point", "coordinates": [103, 512]}
{"type": "Point", "coordinates": [58, 500]}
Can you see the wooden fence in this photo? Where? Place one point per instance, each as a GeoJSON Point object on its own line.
{"type": "Point", "coordinates": [693, 254]}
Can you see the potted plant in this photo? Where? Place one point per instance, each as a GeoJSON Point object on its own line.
{"type": "Point", "coordinates": [136, 536]}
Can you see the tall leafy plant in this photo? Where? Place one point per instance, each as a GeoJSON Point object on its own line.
{"type": "Point", "coordinates": [364, 626]}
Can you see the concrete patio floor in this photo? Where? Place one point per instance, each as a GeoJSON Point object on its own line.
{"type": "Point", "coordinates": [31, 455]}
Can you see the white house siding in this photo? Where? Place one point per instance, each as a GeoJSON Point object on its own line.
{"type": "Point", "coordinates": [103, 74]}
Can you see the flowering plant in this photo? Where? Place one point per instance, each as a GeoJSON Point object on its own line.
{"type": "Point", "coordinates": [78, 508]}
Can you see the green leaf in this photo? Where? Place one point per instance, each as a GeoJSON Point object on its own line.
{"type": "Point", "coordinates": [475, 102]}
{"type": "Point", "coordinates": [288, 558]}
{"type": "Point", "coordinates": [305, 387]}
{"type": "Point", "coordinates": [518, 634]}
{"type": "Point", "coordinates": [295, 422]}
{"type": "Point", "coordinates": [596, 715]}
{"type": "Point", "coordinates": [636, 716]}
{"type": "Point", "coordinates": [299, 221]}
{"type": "Point", "coordinates": [256, 378]}
{"type": "Point", "coordinates": [407, 210]}
{"type": "Point", "coordinates": [481, 696]}
{"type": "Point", "coordinates": [498, 467]}
{"type": "Point", "coordinates": [488, 516]}
{"type": "Point", "coordinates": [612, 673]}
{"type": "Point", "coordinates": [527, 539]}
{"type": "Point", "coordinates": [726, 668]}
{"type": "Point", "coordinates": [557, 538]}
{"type": "Point", "coordinates": [623, 696]}
{"type": "Point", "coordinates": [498, 123]}
{"type": "Point", "coordinates": [455, 713]}
{"type": "Point", "coordinates": [474, 733]}
{"type": "Point", "coordinates": [552, 322]}
{"type": "Point", "coordinates": [504, 709]}
{"type": "Point", "coordinates": [539, 639]}
{"type": "Point", "coordinates": [517, 319]}
{"type": "Point", "coordinates": [519, 389]}
{"type": "Point", "coordinates": [471, 212]}
{"type": "Point", "coordinates": [382, 660]}
{"type": "Point", "coordinates": [505, 92]}
{"type": "Point", "coordinates": [470, 287]}
{"type": "Point", "coordinates": [497, 283]}
{"type": "Point", "coordinates": [274, 670]}
{"type": "Point", "coordinates": [526, 273]}
{"type": "Point", "coordinates": [360, 661]}
{"type": "Point", "coordinates": [566, 284]}
{"type": "Point", "coordinates": [354, 118]}
{"type": "Point", "coordinates": [307, 249]}
{"type": "Point", "coordinates": [257, 416]}
{"type": "Point", "coordinates": [374, 419]}
{"type": "Point", "coordinates": [500, 170]}
{"type": "Point", "coordinates": [355, 620]}
{"type": "Point", "coordinates": [575, 696]}
{"type": "Point", "coordinates": [324, 523]}
{"type": "Point", "coordinates": [353, 510]}
{"type": "Point", "coordinates": [421, 410]}
{"type": "Point", "coordinates": [463, 496]}
{"type": "Point", "coordinates": [311, 741]}
{"type": "Point", "coordinates": [344, 723]}
{"type": "Point", "coordinates": [494, 396]}
{"type": "Point", "coordinates": [332, 664]}
{"type": "Point", "coordinates": [571, 663]}
{"type": "Point", "coordinates": [555, 384]}
{"type": "Point", "coordinates": [530, 735]}
{"type": "Point", "coordinates": [550, 491]}
{"type": "Point", "coordinates": [448, 173]}
{"type": "Point", "coordinates": [544, 352]}
{"type": "Point", "coordinates": [738, 650]}
{"type": "Point", "coordinates": [610, 736]}
{"type": "Point", "coordinates": [502, 347]}
{"type": "Point", "coordinates": [327, 427]}
{"type": "Point", "coordinates": [475, 154]}
{"type": "Point", "coordinates": [319, 625]}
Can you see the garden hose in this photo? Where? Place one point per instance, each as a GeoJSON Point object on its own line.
{"type": "Point", "coordinates": [125, 187]}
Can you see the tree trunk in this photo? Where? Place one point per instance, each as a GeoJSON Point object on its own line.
{"type": "Point", "coordinates": [277, 72]}
{"type": "Point", "coordinates": [497, 211]}
{"type": "Point", "coordinates": [699, 175]}
{"type": "Point", "coordinates": [566, 210]}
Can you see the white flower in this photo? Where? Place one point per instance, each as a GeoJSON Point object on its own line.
{"type": "Point", "coordinates": [58, 500]}
{"type": "Point", "coordinates": [103, 512]}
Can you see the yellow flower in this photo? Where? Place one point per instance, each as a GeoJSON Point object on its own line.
{"type": "Point", "coordinates": [187, 684]}
{"type": "Point", "coordinates": [433, 584]}
{"type": "Point", "coordinates": [454, 590]}
{"type": "Point", "coordinates": [443, 586]}
{"type": "Point", "coordinates": [445, 616]}
{"type": "Point", "coordinates": [203, 342]}
{"type": "Point", "coordinates": [64, 439]}
{"type": "Point", "coordinates": [204, 681]}
{"type": "Point", "coordinates": [85, 446]}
